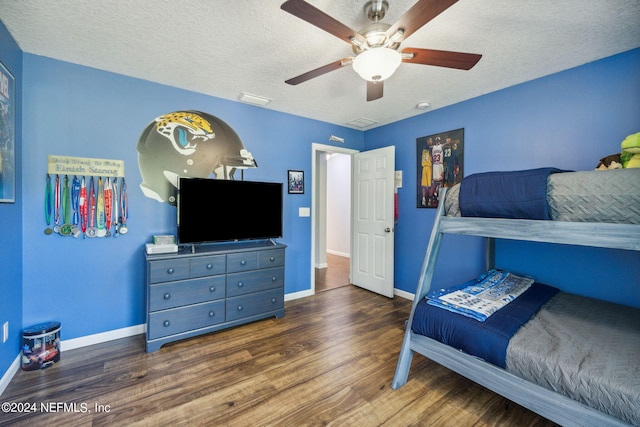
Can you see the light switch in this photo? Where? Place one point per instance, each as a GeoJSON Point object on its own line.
{"type": "Point", "coordinates": [304, 212]}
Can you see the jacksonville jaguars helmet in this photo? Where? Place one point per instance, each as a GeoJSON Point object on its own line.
{"type": "Point", "coordinates": [187, 144]}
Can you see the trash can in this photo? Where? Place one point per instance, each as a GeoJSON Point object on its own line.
{"type": "Point", "coordinates": [40, 346]}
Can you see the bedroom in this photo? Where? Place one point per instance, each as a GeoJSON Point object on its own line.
{"type": "Point", "coordinates": [569, 119]}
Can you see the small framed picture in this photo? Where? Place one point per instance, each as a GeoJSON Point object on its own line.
{"type": "Point", "coordinates": [7, 136]}
{"type": "Point", "coordinates": [295, 182]}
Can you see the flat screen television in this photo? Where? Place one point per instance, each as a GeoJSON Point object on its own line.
{"type": "Point", "coordinates": [216, 210]}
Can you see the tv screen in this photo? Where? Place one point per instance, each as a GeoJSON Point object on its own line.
{"type": "Point", "coordinates": [216, 210]}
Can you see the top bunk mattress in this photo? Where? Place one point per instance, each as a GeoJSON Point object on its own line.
{"type": "Point", "coordinates": [611, 196]}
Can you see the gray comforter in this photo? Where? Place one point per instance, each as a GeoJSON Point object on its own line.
{"type": "Point", "coordinates": [586, 349]}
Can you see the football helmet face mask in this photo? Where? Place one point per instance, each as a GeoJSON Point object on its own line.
{"type": "Point", "coordinates": [187, 144]}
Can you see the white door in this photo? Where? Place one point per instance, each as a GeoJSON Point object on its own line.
{"type": "Point", "coordinates": [372, 234]}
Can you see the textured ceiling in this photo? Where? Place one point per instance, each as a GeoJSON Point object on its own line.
{"type": "Point", "coordinates": [224, 48]}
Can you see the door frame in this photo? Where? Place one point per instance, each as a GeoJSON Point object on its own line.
{"type": "Point", "coordinates": [316, 151]}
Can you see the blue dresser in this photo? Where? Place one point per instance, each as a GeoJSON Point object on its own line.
{"type": "Point", "coordinates": [213, 287]}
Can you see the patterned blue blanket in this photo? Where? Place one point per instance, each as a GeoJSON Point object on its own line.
{"type": "Point", "coordinates": [481, 298]}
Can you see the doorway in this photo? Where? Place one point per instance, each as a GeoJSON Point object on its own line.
{"type": "Point", "coordinates": [331, 217]}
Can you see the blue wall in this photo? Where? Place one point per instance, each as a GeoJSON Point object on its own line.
{"type": "Point", "coordinates": [568, 120]}
{"type": "Point", "coordinates": [11, 222]}
{"type": "Point", "coordinates": [83, 112]}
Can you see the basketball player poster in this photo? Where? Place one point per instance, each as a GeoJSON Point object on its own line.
{"type": "Point", "coordinates": [440, 164]}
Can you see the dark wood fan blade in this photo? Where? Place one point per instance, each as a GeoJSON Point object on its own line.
{"type": "Point", "coordinates": [419, 14]}
{"type": "Point", "coordinates": [318, 71]}
{"type": "Point", "coordinates": [314, 16]}
{"type": "Point", "coordinates": [442, 58]}
{"type": "Point", "coordinates": [374, 90]}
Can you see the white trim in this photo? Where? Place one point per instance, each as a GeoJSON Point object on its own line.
{"type": "Point", "coordinates": [322, 265]}
{"type": "Point", "coordinates": [342, 254]}
{"type": "Point", "coordinates": [315, 149]}
{"type": "Point", "coordinates": [403, 294]}
{"type": "Point", "coordinates": [102, 337]}
{"type": "Point", "coordinates": [296, 295]}
{"type": "Point", "coordinates": [8, 376]}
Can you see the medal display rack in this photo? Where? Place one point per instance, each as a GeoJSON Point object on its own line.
{"type": "Point", "coordinates": [85, 197]}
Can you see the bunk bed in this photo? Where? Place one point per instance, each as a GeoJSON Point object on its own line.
{"type": "Point", "coordinates": [572, 220]}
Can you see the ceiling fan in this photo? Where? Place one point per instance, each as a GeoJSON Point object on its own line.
{"type": "Point", "coordinates": [377, 46]}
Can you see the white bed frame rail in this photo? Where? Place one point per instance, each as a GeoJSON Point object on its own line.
{"type": "Point", "coordinates": [549, 404]}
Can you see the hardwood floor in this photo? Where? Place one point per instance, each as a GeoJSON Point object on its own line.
{"type": "Point", "coordinates": [335, 275]}
{"type": "Point", "coordinates": [328, 361]}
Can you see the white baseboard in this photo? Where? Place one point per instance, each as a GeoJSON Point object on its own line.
{"type": "Point", "coordinates": [322, 265]}
{"type": "Point", "coordinates": [8, 376]}
{"type": "Point", "coordinates": [403, 294]}
{"type": "Point", "coordinates": [342, 254]}
{"type": "Point", "coordinates": [296, 295]}
{"type": "Point", "coordinates": [102, 337]}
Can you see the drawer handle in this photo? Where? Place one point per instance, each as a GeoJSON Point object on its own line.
{"type": "Point", "coordinates": [212, 314]}
{"type": "Point", "coordinates": [212, 289]}
{"type": "Point", "coordinates": [240, 308]}
{"type": "Point", "coordinates": [240, 284]}
{"type": "Point", "coordinates": [274, 278]}
{"type": "Point", "coordinates": [167, 295]}
{"type": "Point", "coordinates": [209, 266]}
{"type": "Point", "coordinates": [272, 259]}
{"type": "Point", "coordinates": [166, 323]}
{"type": "Point", "coordinates": [170, 271]}
{"type": "Point", "coordinates": [273, 300]}
{"type": "Point", "coordinates": [243, 262]}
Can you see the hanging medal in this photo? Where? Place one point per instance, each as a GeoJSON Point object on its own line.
{"type": "Point", "coordinates": [108, 200]}
{"type": "Point", "coordinates": [65, 228]}
{"type": "Point", "coordinates": [116, 208]}
{"type": "Point", "coordinates": [100, 232]}
{"type": "Point", "coordinates": [56, 203]}
{"type": "Point", "coordinates": [124, 208]}
{"type": "Point", "coordinates": [91, 230]}
{"type": "Point", "coordinates": [82, 205]}
{"type": "Point", "coordinates": [48, 202]}
{"type": "Point", "coordinates": [75, 205]}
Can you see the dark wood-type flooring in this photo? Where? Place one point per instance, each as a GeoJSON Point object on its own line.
{"type": "Point", "coordinates": [328, 361]}
{"type": "Point", "coordinates": [336, 273]}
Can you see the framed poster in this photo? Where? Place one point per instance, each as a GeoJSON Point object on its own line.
{"type": "Point", "coordinates": [295, 182]}
{"type": "Point", "coordinates": [440, 161]}
{"type": "Point", "coordinates": [7, 136]}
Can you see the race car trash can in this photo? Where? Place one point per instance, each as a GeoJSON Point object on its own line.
{"type": "Point", "coordinates": [40, 346]}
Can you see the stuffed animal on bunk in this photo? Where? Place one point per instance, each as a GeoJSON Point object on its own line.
{"type": "Point", "coordinates": [630, 155]}
{"type": "Point", "coordinates": [628, 158]}
{"type": "Point", "coordinates": [612, 161]}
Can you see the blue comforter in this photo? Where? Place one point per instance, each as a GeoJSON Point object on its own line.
{"type": "Point", "coordinates": [517, 194]}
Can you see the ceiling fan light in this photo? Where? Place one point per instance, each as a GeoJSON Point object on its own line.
{"type": "Point", "coordinates": [377, 64]}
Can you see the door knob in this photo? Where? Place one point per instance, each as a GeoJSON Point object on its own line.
{"type": "Point", "coordinates": [387, 230]}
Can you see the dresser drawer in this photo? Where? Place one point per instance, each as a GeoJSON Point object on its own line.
{"type": "Point", "coordinates": [256, 303]}
{"type": "Point", "coordinates": [273, 258]}
{"type": "Point", "coordinates": [176, 320]}
{"type": "Point", "coordinates": [208, 265]}
{"type": "Point", "coordinates": [242, 261]}
{"type": "Point", "coordinates": [184, 292]}
{"type": "Point", "coordinates": [254, 281]}
{"type": "Point", "coordinates": [168, 270]}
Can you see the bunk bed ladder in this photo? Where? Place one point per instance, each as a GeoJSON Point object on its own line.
{"type": "Point", "coordinates": [424, 284]}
